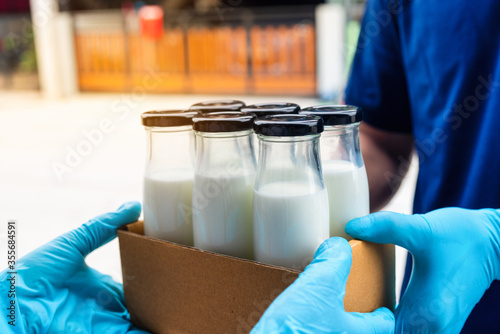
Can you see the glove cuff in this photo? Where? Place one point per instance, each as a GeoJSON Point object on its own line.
{"type": "Point", "coordinates": [493, 221]}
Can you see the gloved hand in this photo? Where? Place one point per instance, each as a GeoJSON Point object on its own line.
{"type": "Point", "coordinates": [456, 256]}
{"type": "Point", "coordinates": [56, 292]}
{"type": "Point", "coordinates": [314, 302]}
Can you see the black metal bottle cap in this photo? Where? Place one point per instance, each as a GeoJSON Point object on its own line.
{"type": "Point", "coordinates": [275, 108]}
{"type": "Point", "coordinates": [165, 118]}
{"type": "Point", "coordinates": [223, 122]}
{"type": "Point", "coordinates": [217, 105]}
{"type": "Point", "coordinates": [335, 114]}
{"type": "Point", "coordinates": [288, 125]}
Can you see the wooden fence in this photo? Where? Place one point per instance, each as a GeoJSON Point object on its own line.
{"type": "Point", "coordinates": [261, 59]}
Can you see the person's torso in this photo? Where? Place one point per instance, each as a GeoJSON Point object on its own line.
{"type": "Point", "coordinates": [451, 56]}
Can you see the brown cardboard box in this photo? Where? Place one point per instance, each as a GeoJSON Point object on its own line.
{"type": "Point", "coordinates": [171, 288]}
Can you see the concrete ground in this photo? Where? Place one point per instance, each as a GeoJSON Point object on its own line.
{"type": "Point", "coordinates": [38, 137]}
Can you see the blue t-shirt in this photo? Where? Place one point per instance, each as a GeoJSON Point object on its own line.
{"type": "Point", "coordinates": [432, 69]}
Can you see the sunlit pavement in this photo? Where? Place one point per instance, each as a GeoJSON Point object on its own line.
{"type": "Point", "coordinates": [65, 161]}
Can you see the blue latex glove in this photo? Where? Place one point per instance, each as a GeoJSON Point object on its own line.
{"type": "Point", "coordinates": [56, 292]}
{"type": "Point", "coordinates": [456, 256]}
{"type": "Point", "coordinates": [314, 302]}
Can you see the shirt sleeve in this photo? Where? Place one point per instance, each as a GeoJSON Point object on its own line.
{"type": "Point", "coordinates": [377, 81]}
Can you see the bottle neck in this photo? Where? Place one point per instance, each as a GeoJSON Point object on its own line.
{"type": "Point", "coordinates": [289, 159]}
{"type": "Point", "coordinates": [341, 142]}
{"type": "Point", "coordinates": [169, 148]}
{"type": "Point", "coordinates": [225, 152]}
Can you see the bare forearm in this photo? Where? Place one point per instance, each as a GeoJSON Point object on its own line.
{"type": "Point", "coordinates": [387, 156]}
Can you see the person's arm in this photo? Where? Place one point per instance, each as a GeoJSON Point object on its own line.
{"type": "Point", "coordinates": [387, 156]}
{"type": "Point", "coordinates": [378, 85]}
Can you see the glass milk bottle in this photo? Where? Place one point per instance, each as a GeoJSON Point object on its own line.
{"type": "Point", "coordinates": [169, 174]}
{"type": "Point", "coordinates": [290, 206]}
{"type": "Point", "coordinates": [223, 183]}
{"type": "Point", "coordinates": [343, 167]}
{"type": "Point", "coordinates": [267, 109]}
{"type": "Point", "coordinates": [216, 106]}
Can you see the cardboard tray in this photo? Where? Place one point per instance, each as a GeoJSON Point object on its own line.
{"type": "Point", "coordinates": [170, 288]}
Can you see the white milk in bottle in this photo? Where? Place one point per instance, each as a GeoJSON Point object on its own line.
{"type": "Point", "coordinates": [290, 207]}
{"type": "Point", "coordinates": [222, 213]}
{"type": "Point", "coordinates": [347, 187]}
{"type": "Point", "coordinates": [343, 167]}
{"type": "Point", "coordinates": [167, 206]}
{"type": "Point", "coordinates": [223, 183]}
{"type": "Point", "coordinates": [289, 220]}
{"type": "Point", "coordinates": [168, 177]}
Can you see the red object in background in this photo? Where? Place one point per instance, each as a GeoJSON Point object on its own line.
{"type": "Point", "coordinates": [127, 7]}
{"type": "Point", "coordinates": [17, 6]}
{"type": "Point", "coordinates": [151, 21]}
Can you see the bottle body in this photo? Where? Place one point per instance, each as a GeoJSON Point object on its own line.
{"type": "Point", "coordinates": [168, 182]}
{"type": "Point", "coordinates": [345, 176]}
{"type": "Point", "coordinates": [222, 193]}
{"type": "Point", "coordinates": [289, 240]}
{"type": "Point", "coordinates": [290, 207]}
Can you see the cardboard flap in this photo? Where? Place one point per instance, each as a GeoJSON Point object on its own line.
{"type": "Point", "coordinates": [171, 288]}
{"type": "Point", "coordinates": [137, 227]}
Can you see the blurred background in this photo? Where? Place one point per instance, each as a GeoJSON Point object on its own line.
{"type": "Point", "coordinates": [252, 47]}
{"type": "Point", "coordinates": [75, 75]}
